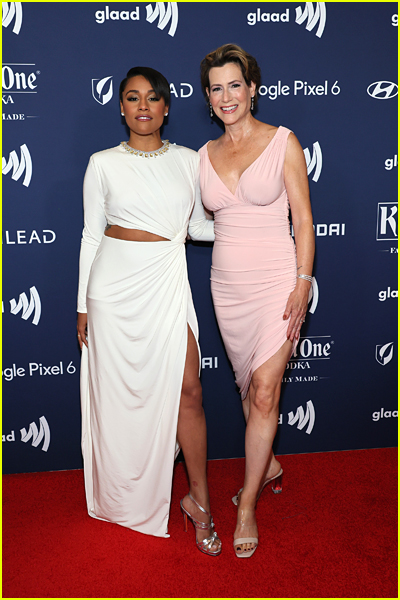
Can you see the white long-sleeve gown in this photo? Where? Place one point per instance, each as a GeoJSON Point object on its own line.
{"type": "Point", "coordinates": [138, 300]}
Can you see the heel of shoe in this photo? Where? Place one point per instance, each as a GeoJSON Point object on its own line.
{"type": "Point", "coordinates": [185, 527]}
{"type": "Point", "coordinates": [277, 485]}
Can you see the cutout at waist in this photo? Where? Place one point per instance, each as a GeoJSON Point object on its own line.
{"type": "Point", "coordinates": [132, 235]}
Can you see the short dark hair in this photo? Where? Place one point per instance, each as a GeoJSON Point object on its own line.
{"type": "Point", "coordinates": [231, 53]}
{"type": "Point", "coordinates": [157, 81]}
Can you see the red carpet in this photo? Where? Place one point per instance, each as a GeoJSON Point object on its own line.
{"type": "Point", "coordinates": [331, 533]}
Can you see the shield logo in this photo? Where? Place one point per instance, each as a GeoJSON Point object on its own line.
{"type": "Point", "coordinates": [384, 353]}
{"type": "Point", "coordinates": [102, 90]}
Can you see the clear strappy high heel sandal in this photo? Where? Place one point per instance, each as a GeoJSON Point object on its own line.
{"type": "Point", "coordinates": [276, 486]}
{"type": "Point", "coordinates": [206, 544]}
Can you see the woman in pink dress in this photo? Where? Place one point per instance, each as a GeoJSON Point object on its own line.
{"type": "Point", "coordinates": [250, 177]}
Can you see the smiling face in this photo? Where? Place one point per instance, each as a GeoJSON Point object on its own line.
{"type": "Point", "coordinates": [229, 94]}
{"type": "Point", "coordinates": [144, 111]}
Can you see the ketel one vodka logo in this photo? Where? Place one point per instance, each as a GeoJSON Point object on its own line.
{"type": "Point", "coordinates": [18, 78]}
{"type": "Point", "coordinates": [102, 90]}
{"type": "Point", "coordinates": [313, 16]}
{"type": "Point", "coordinates": [387, 221]}
{"type": "Point", "coordinates": [12, 11]}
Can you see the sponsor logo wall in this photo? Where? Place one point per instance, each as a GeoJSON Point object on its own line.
{"type": "Point", "coordinates": [339, 388]}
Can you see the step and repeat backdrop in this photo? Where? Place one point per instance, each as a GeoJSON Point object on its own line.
{"type": "Point", "coordinates": [329, 74]}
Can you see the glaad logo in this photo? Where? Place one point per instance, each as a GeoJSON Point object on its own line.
{"type": "Point", "coordinates": [258, 17]}
{"type": "Point", "coordinates": [185, 90]}
{"type": "Point", "coordinates": [382, 90]}
{"type": "Point", "coordinates": [312, 17]}
{"type": "Point", "coordinates": [302, 419]}
{"type": "Point", "coordinates": [384, 353]}
{"type": "Point", "coordinates": [389, 293]}
{"type": "Point", "coordinates": [11, 10]}
{"type": "Point", "coordinates": [19, 166]}
{"type": "Point", "coordinates": [386, 224]}
{"type": "Point", "coordinates": [390, 163]}
{"type": "Point", "coordinates": [164, 15]}
{"type": "Point", "coordinates": [315, 162]}
{"type": "Point", "coordinates": [37, 435]}
{"type": "Point", "coordinates": [313, 296]}
{"type": "Point", "coordinates": [116, 15]}
{"type": "Point", "coordinates": [98, 93]}
{"type": "Point", "coordinates": [27, 308]}
{"type": "Point", "coordinates": [384, 414]}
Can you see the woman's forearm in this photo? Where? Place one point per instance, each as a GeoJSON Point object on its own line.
{"type": "Point", "coordinates": [305, 246]}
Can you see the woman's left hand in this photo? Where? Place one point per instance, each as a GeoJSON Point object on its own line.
{"type": "Point", "coordinates": [296, 309]}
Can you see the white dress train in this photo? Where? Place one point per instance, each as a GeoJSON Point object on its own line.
{"type": "Point", "coordinates": [139, 304]}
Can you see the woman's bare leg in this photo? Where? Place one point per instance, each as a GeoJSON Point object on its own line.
{"type": "Point", "coordinates": [262, 423]}
{"type": "Point", "coordinates": [192, 437]}
{"type": "Point", "coordinates": [273, 466]}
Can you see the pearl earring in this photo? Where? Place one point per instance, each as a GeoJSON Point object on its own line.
{"type": "Point", "coordinates": [122, 114]}
{"type": "Point", "coordinates": [166, 115]}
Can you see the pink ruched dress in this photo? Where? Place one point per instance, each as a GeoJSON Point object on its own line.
{"type": "Point", "coordinates": [254, 259]}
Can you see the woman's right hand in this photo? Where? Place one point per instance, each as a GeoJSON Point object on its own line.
{"type": "Point", "coordinates": [82, 329]}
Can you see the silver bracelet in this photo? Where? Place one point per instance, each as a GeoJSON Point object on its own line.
{"type": "Point", "coordinates": [307, 277]}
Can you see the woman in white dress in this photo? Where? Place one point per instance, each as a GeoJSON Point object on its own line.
{"type": "Point", "coordinates": [137, 326]}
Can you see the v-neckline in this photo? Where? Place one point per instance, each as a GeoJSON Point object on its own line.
{"type": "Point", "coordinates": [249, 167]}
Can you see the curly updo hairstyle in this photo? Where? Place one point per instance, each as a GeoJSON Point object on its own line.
{"type": "Point", "coordinates": [231, 53]}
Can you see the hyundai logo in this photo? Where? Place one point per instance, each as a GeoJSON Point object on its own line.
{"type": "Point", "coordinates": [382, 90]}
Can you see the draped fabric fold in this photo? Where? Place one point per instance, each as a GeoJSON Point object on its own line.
{"type": "Point", "coordinates": [130, 431]}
